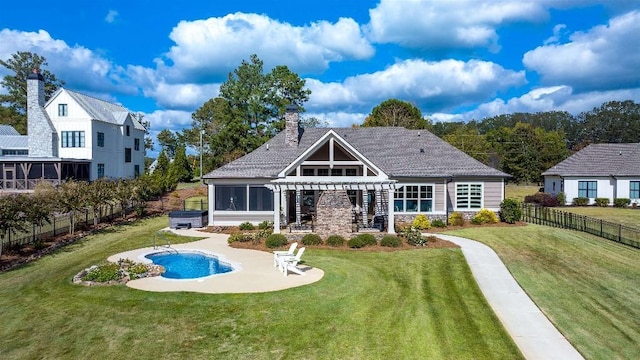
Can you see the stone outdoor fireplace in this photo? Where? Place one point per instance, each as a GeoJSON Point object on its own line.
{"type": "Point", "coordinates": [333, 213]}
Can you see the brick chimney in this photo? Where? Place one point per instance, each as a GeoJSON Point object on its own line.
{"type": "Point", "coordinates": [42, 135]}
{"type": "Point", "coordinates": [292, 125]}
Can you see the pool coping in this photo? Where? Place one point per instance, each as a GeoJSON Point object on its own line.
{"type": "Point", "coordinates": [255, 273]}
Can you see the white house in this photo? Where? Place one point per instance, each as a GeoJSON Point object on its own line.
{"type": "Point", "coordinates": [70, 136]}
{"type": "Point", "coordinates": [598, 171]}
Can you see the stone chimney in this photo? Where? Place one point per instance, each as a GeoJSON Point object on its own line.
{"type": "Point", "coordinates": [42, 135]}
{"type": "Point", "coordinates": [292, 125]}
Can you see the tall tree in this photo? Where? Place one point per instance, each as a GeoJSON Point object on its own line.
{"type": "Point", "coordinates": [180, 170]}
{"type": "Point", "coordinates": [249, 111]}
{"type": "Point", "coordinates": [169, 142]}
{"type": "Point", "coordinates": [469, 141]}
{"type": "Point", "coordinates": [394, 112]}
{"type": "Point", "coordinates": [21, 64]}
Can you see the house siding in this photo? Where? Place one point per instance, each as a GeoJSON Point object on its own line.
{"type": "Point", "coordinates": [605, 187]}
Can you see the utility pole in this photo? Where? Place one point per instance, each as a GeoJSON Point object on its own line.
{"type": "Point", "coordinates": [201, 133]}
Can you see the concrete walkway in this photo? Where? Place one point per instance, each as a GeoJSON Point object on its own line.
{"type": "Point", "coordinates": [530, 329]}
{"type": "Point", "coordinates": [254, 271]}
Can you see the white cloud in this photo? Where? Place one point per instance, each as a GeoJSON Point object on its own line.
{"type": "Point", "coordinates": [181, 96]}
{"type": "Point", "coordinates": [429, 85]}
{"type": "Point", "coordinates": [79, 67]}
{"type": "Point", "coordinates": [111, 16]}
{"type": "Point", "coordinates": [605, 57]}
{"type": "Point", "coordinates": [208, 49]}
{"type": "Point", "coordinates": [447, 24]}
{"type": "Point", "coordinates": [554, 98]}
{"type": "Point", "coordinates": [339, 118]}
{"type": "Point", "coordinates": [558, 32]}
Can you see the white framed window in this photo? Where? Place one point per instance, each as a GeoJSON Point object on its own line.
{"type": "Point", "coordinates": [469, 196]}
{"type": "Point", "coordinates": [62, 110]}
{"type": "Point", "coordinates": [243, 198]}
{"type": "Point", "coordinates": [634, 190]}
{"type": "Point", "coordinates": [72, 139]}
{"type": "Point", "coordinates": [588, 189]}
{"type": "Point", "coordinates": [100, 171]}
{"type": "Point", "coordinates": [414, 198]}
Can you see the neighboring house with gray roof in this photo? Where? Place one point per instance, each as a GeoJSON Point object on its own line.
{"type": "Point", "coordinates": [597, 171]}
{"type": "Point", "coordinates": [70, 136]}
{"type": "Point", "coordinates": [387, 172]}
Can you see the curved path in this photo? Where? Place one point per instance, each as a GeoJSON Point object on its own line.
{"type": "Point", "coordinates": [530, 329]}
{"type": "Point", "coordinates": [255, 272]}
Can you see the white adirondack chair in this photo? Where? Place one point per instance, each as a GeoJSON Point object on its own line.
{"type": "Point", "coordinates": [277, 254]}
{"type": "Point", "coordinates": [290, 263]}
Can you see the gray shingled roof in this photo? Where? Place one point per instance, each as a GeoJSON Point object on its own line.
{"type": "Point", "coordinates": [396, 151]}
{"type": "Point", "coordinates": [102, 110]}
{"type": "Point", "coordinates": [601, 160]}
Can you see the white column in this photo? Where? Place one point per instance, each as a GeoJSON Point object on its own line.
{"type": "Point", "coordinates": [276, 211]}
{"type": "Point", "coordinates": [391, 226]}
{"type": "Point", "coordinates": [212, 202]}
{"type": "Point", "coordinates": [285, 206]}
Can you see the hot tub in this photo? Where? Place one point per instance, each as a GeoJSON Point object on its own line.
{"type": "Point", "coordinates": [188, 219]}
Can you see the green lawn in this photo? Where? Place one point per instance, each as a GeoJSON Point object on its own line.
{"type": "Point", "coordinates": [519, 191]}
{"type": "Point", "coordinates": [628, 217]}
{"type": "Point", "coordinates": [589, 287]}
{"type": "Point", "coordinates": [369, 305]}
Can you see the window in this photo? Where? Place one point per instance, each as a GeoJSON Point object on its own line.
{"type": "Point", "coordinates": [100, 171]}
{"type": "Point", "coordinates": [351, 172]}
{"type": "Point", "coordinates": [100, 139]}
{"type": "Point", "coordinates": [136, 170]}
{"type": "Point", "coordinates": [587, 189]}
{"type": "Point", "coordinates": [323, 172]}
{"type": "Point", "coordinates": [72, 139]}
{"type": "Point", "coordinates": [260, 199]}
{"type": "Point", "coordinates": [128, 130]}
{"type": "Point", "coordinates": [127, 155]}
{"type": "Point", "coordinates": [231, 198]}
{"type": "Point", "coordinates": [307, 172]}
{"type": "Point", "coordinates": [336, 172]}
{"type": "Point", "coordinates": [136, 144]}
{"type": "Point", "coordinates": [62, 110]}
{"type": "Point", "coordinates": [634, 189]}
{"type": "Point", "coordinates": [414, 198]}
{"type": "Point", "coordinates": [14, 152]}
{"type": "Point", "coordinates": [469, 196]}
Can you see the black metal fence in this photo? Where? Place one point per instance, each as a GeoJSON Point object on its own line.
{"type": "Point", "coordinates": [557, 218]}
{"type": "Point", "coordinates": [60, 224]}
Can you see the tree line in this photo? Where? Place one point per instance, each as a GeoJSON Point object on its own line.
{"type": "Point", "coordinates": [250, 106]}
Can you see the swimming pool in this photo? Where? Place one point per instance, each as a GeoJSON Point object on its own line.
{"type": "Point", "coordinates": [189, 264]}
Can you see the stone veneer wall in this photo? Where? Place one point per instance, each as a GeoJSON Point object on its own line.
{"type": "Point", "coordinates": [292, 126]}
{"type": "Point", "coordinates": [333, 213]}
{"type": "Point", "coordinates": [43, 138]}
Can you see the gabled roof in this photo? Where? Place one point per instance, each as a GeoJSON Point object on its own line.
{"type": "Point", "coordinates": [14, 142]}
{"type": "Point", "coordinates": [101, 110]}
{"type": "Point", "coordinates": [396, 151]}
{"type": "Point", "coordinates": [601, 160]}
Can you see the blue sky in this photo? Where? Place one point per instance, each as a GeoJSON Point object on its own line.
{"type": "Point", "coordinates": [455, 60]}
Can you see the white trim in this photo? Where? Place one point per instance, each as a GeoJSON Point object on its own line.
{"type": "Point", "coordinates": [433, 198]}
{"type": "Point", "coordinates": [455, 204]}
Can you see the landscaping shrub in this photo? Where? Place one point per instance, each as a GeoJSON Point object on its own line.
{"type": "Point", "coordinates": [276, 240]}
{"type": "Point", "coordinates": [246, 226]}
{"type": "Point", "coordinates": [414, 237]}
{"type": "Point", "coordinates": [311, 239]}
{"type": "Point", "coordinates": [438, 223]}
{"type": "Point", "coordinates": [261, 235]}
{"type": "Point", "coordinates": [621, 202]}
{"type": "Point", "coordinates": [401, 227]}
{"type": "Point", "coordinates": [602, 202]}
{"type": "Point", "coordinates": [335, 240]}
{"type": "Point", "coordinates": [542, 198]}
{"type": "Point", "coordinates": [580, 201]}
{"type": "Point", "coordinates": [103, 273]}
{"type": "Point", "coordinates": [390, 241]}
{"type": "Point", "coordinates": [240, 237]}
{"type": "Point", "coordinates": [561, 198]}
{"type": "Point", "coordinates": [265, 225]}
{"type": "Point", "coordinates": [484, 216]}
{"type": "Point", "coordinates": [510, 211]}
{"type": "Point", "coordinates": [356, 242]}
{"type": "Point", "coordinates": [421, 222]}
{"type": "Point", "coordinates": [456, 219]}
{"type": "Point", "coordinates": [364, 239]}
